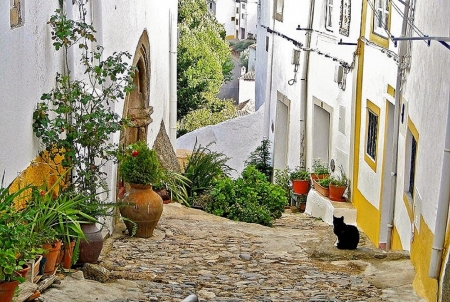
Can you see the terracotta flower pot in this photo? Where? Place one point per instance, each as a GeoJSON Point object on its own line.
{"type": "Point", "coordinates": [336, 192]}
{"type": "Point", "coordinates": [317, 177]}
{"type": "Point", "coordinates": [52, 256]}
{"type": "Point", "coordinates": [300, 186]}
{"type": "Point", "coordinates": [322, 190]}
{"type": "Point", "coordinates": [145, 208]}
{"type": "Point", "coordinates": [24, 271]}
{"type": "Point", "coordinates": [68, 255]}
{"type": "Point", "coordinates": [7, 290]}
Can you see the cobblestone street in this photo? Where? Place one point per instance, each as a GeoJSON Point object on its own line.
{"type": "Point", "coordinates": [222, 260]}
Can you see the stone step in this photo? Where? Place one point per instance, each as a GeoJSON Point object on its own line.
{"type": "Point", "coordinates": [322, 207]}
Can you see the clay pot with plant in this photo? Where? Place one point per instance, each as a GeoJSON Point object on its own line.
{"type": "Point", "coordinates": [322, 186]}
{"type": "Point", "coordinates": [300, 179]}
{"type": "Point", "coordinates": [140, 206]}
{"type": "Point", "coordinates": [338, 185]}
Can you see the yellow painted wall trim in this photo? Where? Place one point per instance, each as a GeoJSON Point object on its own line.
{"type": "Point", "coordinates": [420, 257]}
{"type": "Point", "coordinates": [368, 218]}
{"type": "Point", "coordinates": [408, 205]}
{"type": "Point", "coordinates": [376, 38]}
{"type": "Point", "coordinates": [396, 243]}
{"type": "Point", "coordinates": [413, 130]}
{"type": "Point", "coordinates": [372, 162]}
{"type": "Point", "coordinates": [391, 91]}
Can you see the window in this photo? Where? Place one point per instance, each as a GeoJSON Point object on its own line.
{"type": "Point", "coordinates": [237, 10]}
{"type": "Point", "coordinates": [372, 125]}
{"type": "Point", "coordinates": [233, 18]}
{"type": "Point", "coordinates": [412, 138]}
{"type": "Point", "coordinates": [267, 43]}
{"type": "Point", "coordinates": [279, 7]}
{"type": "Point", "coordinates": [242, 16]}
{"type": "Point", "coordinates": [372, 128]}
{"type": "Point", "coordinates": [243, 5]}
{"type": "Point", "coordinates": [329, 15]}
{"type": "Point", "coordinates": [15, 13]}
{"type": "Point", "coordinates": [381, 17]}
{"type": "Point", "coordinates": [237, 21]}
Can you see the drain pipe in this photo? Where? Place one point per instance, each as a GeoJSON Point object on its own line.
{"type": "Point", "coordinates": [396, 132]}
{"type": "Point", "coordinates": [304, 88]}
{"type": "Point", "coordinates": [442, 209]}
{"type": "Point", "coordinates": [173, 32]}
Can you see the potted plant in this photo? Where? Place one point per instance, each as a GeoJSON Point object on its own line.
{"type": "Point", "coordinates": [75, 120]}
{"type": "Point", "coordinates": [140, 168]}
{"type": "Point", "coordinates": [322, 186]}
{"type": "Point", "coordinates": [338, 185]}
{"type": "Point", "coordinates": [300, 181]}
{"type": "Point", "coordinates": [16, 246]}
{"type": "Point", "coordinates": [320, 169]}
{"type": "Point", "coordinates": [56, 219]}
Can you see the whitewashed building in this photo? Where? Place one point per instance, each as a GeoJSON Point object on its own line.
{"type": "Point", "coordinates": [401, 136]}
{"type": "Point", "coordinates": [366, 97]}
{"type": "Point", "coordinates": [225, 13]}
{"type": "Point", "coordinates": [145, 29]}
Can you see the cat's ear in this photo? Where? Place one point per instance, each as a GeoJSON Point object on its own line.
{"type": "Point", "coordinates": [342, 217]}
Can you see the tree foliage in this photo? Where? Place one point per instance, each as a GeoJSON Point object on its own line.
{"type": "Point", "coordinates": [204, 59]}
{"type": "Point", "coordinates": [215, 111]}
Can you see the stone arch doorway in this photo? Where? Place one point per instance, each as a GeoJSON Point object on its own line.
{"type": "Point", "coordinates": [137, 107]}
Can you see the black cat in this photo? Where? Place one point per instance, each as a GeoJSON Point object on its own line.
{"type": "Point", "coordinates": [348, 235]}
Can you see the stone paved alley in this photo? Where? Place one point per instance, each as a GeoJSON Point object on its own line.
{"type": "Point", "coordinates": [222, 260]}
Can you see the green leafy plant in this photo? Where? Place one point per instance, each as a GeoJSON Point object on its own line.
{"type": "Point", "coordinates": [319, 168]}
{"type": "Point", "coordinates": [203, 168]}
{"type": "Point", "coordinates": [324, 182]}
{"type": "Point", "coordinates": [260, 158]}
{"type": "Point", "coordinates": [299, 174]}
{"type": "Point", "coordinates": [339, 180]}
{"type": "Point", "coordinates": [282, 179]}
{"type": "Point", "coordinates": [177, 185]}
{"type": "Point", "coordinates": [17, 243]}
{"type": "Point", "coordinates": [74, 121]}
{"type": "Point", "coordinates": [138, 164]}
{"type": "Point", "coordinates": [250, 198]}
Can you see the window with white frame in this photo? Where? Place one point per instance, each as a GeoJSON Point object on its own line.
{"type": "Point", "coordinates": [381, 17]}
{"type": "Point", "coordinates": [279, 7]}
{"type": "Point", "coordinates": [329, 15]}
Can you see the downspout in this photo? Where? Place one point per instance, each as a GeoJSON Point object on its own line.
{"type": "Point", "coordinates": [268, 105]}
{"type": "Point", "coordinates": [442, 209]}
{"type": "Point", "coordinates": [396, 132]}
{"type": "Point", "coordinates": [173, 32]}
{"type": "Point", "coordinates": [304, 88]}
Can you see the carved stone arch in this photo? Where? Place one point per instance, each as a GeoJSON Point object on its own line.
{"type": "Point", "coordinates": [137, 107]}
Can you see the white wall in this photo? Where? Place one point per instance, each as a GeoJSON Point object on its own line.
{"type": "Point", "coordinates": [246, 90]}
{"type": "Point", "coordinates": [427, 93]}
{"type": "Point", "coordinates": [27, 70]}
{"type": "Point", "coordinates": [236, 138]}
{"type": "Point", "coordinates": [225, 9]}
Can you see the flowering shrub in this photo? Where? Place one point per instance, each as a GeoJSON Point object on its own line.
{"type": "Point", "coordinates": [140, 165]}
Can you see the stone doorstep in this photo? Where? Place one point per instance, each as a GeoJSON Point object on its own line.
{"type": "Point", "coordinates": [322, 207]}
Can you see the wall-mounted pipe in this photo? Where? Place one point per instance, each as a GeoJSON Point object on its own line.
{"type": "Point", "coordinates": [304, 87]}
{"type": "Point", "coordinates": [442, 209]}
{"type": "Point", "coordinates": [396, 132]}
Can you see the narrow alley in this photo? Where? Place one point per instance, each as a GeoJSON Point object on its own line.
{"type": "Point", "coordinates": [193, 252]}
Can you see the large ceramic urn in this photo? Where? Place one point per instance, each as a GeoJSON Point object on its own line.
{"type": "Point", "coordinates": [144, 207]}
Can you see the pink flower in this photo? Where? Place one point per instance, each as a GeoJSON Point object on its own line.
{"type": "Point", "coordinates": [42, 192]}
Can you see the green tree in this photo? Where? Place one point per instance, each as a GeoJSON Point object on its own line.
{"type": "Point", "coordinates": [215, 111]}
{"type": "Point", "coordinates": [204, 58]}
